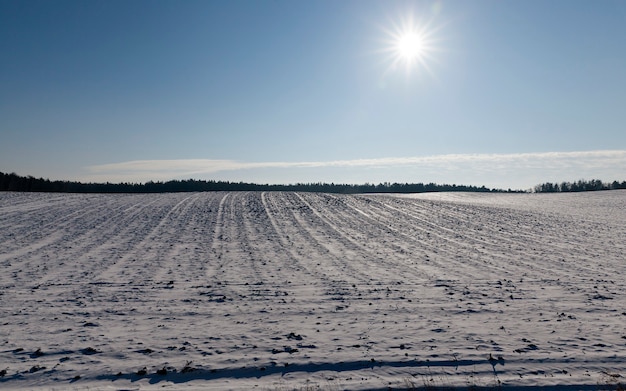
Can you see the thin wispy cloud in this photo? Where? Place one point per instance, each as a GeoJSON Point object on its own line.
{"type": "Point", "coordinates": [472, 167]}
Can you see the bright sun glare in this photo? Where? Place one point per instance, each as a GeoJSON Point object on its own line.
{"type": "Point", "coordinates": [411, 45]}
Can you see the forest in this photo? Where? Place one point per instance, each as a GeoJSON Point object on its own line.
{"type": "Point", "coordinates": [14, 182]}
{"type": "Point", "coordinates": [580, 185]}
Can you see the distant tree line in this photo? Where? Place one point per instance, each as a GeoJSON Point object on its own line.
{"type": "Point", "coordinates": [14, 182]}
{"type": "Point", "coordinates": [581, 185]}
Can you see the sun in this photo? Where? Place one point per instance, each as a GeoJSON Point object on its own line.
{"type": "Point", "coordinates": [411, 44]}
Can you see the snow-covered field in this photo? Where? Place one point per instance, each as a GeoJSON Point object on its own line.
{"type": "Point", "coordinates": [280, 291]}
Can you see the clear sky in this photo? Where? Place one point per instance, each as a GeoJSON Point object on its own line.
{"type": "Point", "coordinates": [500, 93]}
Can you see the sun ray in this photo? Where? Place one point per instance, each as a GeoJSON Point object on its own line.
{"type": "Point", "coordinates": [410, 44]}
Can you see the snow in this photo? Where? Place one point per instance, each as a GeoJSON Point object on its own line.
{"type": "Point", "coordinates": [280, 291]}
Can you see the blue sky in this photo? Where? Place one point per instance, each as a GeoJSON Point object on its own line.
{"type": "Point", "coordinates": [504, 93]}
